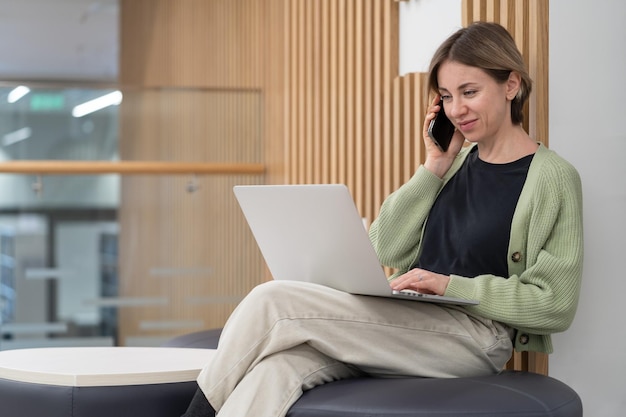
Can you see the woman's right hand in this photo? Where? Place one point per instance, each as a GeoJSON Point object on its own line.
{"type": "Point", "coordinates": [439, 162]}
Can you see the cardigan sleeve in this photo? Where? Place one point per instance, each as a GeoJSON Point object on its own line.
{"type": "Point", "coordinates": [396, 232]}
{"type": "Point", "coordinates": [545, 258]}
{"type": "Point", "coordinates": [540, 295]}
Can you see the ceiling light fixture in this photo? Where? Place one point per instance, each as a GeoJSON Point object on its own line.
{"type": "Point", "coordinates": [17, 136]}
{"type": "Point", "coordinates": [111, 99]}
{"type": "Point", "coordinates": [17, 93]}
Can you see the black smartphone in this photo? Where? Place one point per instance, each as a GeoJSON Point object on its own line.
{"type": "Point", "coordinates": [441, 129]}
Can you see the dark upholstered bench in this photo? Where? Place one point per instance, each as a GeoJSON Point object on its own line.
{"type": "Point", "coordinates": [512, 393]}
{"type": "Point", "coordinates": [25, 399]}
{"type": "Point", "coordinates": [133, 382]}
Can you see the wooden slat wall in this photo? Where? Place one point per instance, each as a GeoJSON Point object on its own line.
{"type": "Point", "coordinates": [334, 110]}
{"type": "Point", "coordinates": [527, 20]}
{"type": "Point", "coordinates": [352, 119]}
{"type": "Point", "coordinates": [346, 101]}
{"type": "Point", "coordinates": [342, 65]}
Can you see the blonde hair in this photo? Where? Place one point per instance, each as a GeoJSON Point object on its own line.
{"type": "Point", "coordinates": [490, 47]}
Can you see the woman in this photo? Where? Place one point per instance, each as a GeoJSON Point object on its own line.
{"type": "Point", "coordinates": [499, 221]}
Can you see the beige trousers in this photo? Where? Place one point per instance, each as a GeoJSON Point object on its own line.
{"type": "Point", "coordinates": [286, 337]}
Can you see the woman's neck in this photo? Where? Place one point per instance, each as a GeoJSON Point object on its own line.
{"type": "Point", "coordinates": [507, 148]}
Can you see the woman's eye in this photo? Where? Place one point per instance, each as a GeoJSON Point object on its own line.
{"type": "Point", "coordinates": [469, 93]}
{"type": "Point", "coordinates": [446, 98]}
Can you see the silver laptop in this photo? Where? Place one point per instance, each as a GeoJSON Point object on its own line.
{"type": "Point", "coordinates": [314, 233]}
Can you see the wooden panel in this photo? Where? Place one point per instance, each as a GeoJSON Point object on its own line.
{"type": "Point", "coordinates": [527, 20]}
{"type": "Point", "coordinates": [200, 237]}
{"type": "Point", "coordinates": [194, 91]}
{"type": "Point", "coordinates": [191, 43]}
{"type": "Point", "coordinates": [340, 107]}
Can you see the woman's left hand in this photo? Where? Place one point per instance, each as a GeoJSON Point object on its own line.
{"type": "Point", "coordinates": [422, 281]}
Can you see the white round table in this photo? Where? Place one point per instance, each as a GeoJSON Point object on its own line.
{"type": "Point", "coordinates": [99, 381]}
{"type": "Point", "coordinates": [103, 366]}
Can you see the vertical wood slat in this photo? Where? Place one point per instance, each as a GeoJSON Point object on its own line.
{"type": "Point", "coordinates": [395, 172]}
{"type": "Point", "coordinates": [276, 82]}
{"type": "Point", "coordinates": [327, 80]}
{"type": "Point", "coordinates": [332, 104]}
{"type": "Point", "coordinates": [538, 64]}
{"type": "Point", "coordinates": [359, 97]}
{"type": "Point", "coordinates": [341, 90]}
{"type": "Point", "coordinates": [288, 85]}
{"type": "Point", "coordinates": [300, 101]}
{"type": "Point", "coordinates": [390, 71]}
{"type": "Point", "coordinates": [308, 88]}
{"type": "Point", "coordinates": [368, 114]}
{"type": "Point", "coordinates": [375, 123]}
{"type": "Point", "coordinates": [350, 54]}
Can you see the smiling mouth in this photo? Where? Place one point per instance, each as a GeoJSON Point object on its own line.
{"type": "Point", "coordinates": [466, 124]}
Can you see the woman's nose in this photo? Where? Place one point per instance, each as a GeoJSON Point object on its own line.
{"type": "Point", "coordinates": [454, 109]}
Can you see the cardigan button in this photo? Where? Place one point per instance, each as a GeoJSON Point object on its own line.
{"type": "Point", "coordinates": [524, 339]}
{"type": "Point", "coordinates": [516, 257]}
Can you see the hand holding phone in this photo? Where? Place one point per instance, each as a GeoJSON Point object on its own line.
{"type": "Point", "coordinates": [441, 129]}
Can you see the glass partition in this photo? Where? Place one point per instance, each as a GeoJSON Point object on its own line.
{"type": "Point", "coordinates": [110, 259]}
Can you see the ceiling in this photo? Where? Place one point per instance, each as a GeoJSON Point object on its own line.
{"type": "Point", "coordinates": [69, 47]}
{"type": "Point", "coordinates": [59, 40]}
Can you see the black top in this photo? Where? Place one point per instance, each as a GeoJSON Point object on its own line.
{"type": "Point", "coordinates": [469, 226]}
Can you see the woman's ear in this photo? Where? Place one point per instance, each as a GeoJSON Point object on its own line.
{"type": "Point", "coordinates": [513, 85]}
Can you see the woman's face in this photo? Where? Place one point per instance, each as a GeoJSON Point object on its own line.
{"type": "Point", "coordinates": [475, 102]}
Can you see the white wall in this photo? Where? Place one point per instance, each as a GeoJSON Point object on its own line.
{"type": "Point", "coordinates": [424, 24]}
{"type": "Point", "coordinates": [587, 88]}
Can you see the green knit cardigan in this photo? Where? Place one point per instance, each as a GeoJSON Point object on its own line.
{"type": "Point", "coordinates": [545, 259]}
